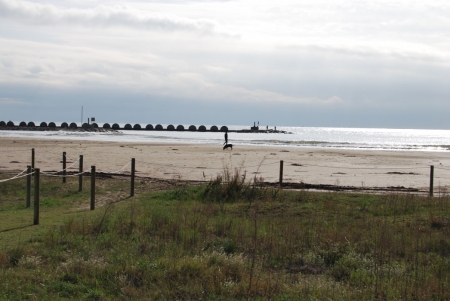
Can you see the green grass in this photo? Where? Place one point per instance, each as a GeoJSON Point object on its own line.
{"type": "Point", "coordinates": [57, 202]}
{"type": "Point", "coordinates": [231, 239]}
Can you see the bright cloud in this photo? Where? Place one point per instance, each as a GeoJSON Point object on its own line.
{"type": "Point", "coordinates": [102, 16]}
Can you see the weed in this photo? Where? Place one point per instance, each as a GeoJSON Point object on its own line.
{"type": "Point", "coordinates": [15, 255]}
{"type": "Point", "coordinates": [232, 239]}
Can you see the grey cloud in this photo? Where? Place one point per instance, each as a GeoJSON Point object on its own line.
{"type": "Point", "coordinates": [102, 16]}
{"type": "Point", "coordinates": [116, 105]}
{"type": "Point", "coordinates": [11, 101]}
{"type": "Point", "coordinates": [310, 75]}
{"type": "Point", "coordinates": [352, 73]}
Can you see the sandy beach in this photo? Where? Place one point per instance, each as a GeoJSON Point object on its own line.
{"type": "Point", "coordinates": [195, 162]}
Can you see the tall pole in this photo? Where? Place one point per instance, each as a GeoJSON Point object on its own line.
{"type": "Point", "coordinates": [28, 204]}
{"type": "Point", "coordinates": [80, 176]}
{"type": "Point", "coordinates": [32, 158]}
{"type": "Point", "coordinates": [281, 173]}
{"type": "Point", "coordinates": [132, 176]}
{"type": "Point", "coordinates": [64, 167]}
{"type": "Point", "coordinates": [92, 187]}
{"type": "Point", "coordinates": [36, 196]}
{"type": "Point", "coordinates": [431, 180]}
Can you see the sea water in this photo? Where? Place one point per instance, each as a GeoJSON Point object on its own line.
{"type": "Point", "coordinates": [306, 137]}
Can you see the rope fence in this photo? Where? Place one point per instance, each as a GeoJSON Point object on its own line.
{"type": "Point", "coordinates": [115, 171]}
{"type": "Point", "coordinates": [62, 170]}
{"type": "Point", "coordinates": [60, 173]}
{"type": "Point", "coordinates": [18, 176]}
{"type": "Point", "coordinates": [31, 171]}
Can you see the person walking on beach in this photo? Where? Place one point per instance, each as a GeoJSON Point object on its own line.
{"type": "Point", "coordinates": [226, 137]}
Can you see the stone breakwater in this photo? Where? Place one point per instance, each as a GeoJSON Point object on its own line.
{"type": "Point", "coordinates": [47, 129]}
{"type": "Point", "coordinates": [106, 127]}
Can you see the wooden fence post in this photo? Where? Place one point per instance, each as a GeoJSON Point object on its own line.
{"type": "Point", "coordinates": [92, 187]}
{"type": "Point", "coordinates": [36, 196]}
{"type": "Point", "coordinates": [28, 204]}
{"type": "Point", "coordinates": [281, 173]}
{"type": "Point", "coordinates": [132, 177]}
{"type": "Point", "coordinates": [80, 176]}
{"type": "Point", "coordinates": [32, 158]}
{"type": "Point", "coordinates": [431, 180]}
{"type": "Point", "coordinates": [64, 167]}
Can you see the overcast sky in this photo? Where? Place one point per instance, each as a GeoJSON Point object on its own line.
{"type": "Point", "coordinates": [378, 63]}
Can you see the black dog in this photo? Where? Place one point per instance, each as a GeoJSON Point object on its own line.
{"type": "Point", "coordinates": [228, 146]}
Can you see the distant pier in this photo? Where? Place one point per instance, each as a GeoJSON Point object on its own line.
{"type": "Point", "coordinates": [94, 127]}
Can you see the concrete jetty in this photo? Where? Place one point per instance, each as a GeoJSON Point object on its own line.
{"type": "Point", "coordinates": [94, 127]}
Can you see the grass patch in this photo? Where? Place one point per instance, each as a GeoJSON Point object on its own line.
{"type": "Point", "coordinates": [232, 238]}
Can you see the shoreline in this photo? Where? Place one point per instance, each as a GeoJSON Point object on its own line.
{"type": "Point", "coordinates": [332, 139]}
{"type": "Point", "coordinates": [324, 169]}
